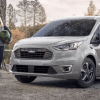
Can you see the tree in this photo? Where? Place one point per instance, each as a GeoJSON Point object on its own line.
{"type": "Point", "coordinates": [42, 15]}
{"type": "Point", "coordinates": [3, 7]}
{"type": "Point", "coordinates": [11, 25]}
{"type": "Point", "coordinates": [11, 17]}
{"type": "Point", "coordinates": [91, 9]}
{"type": "Point", "coordinates": [23, 12]}
{"type": "Point", "coordinates": [35, 5]}
{"type": "Point", "coordinates": [14, 16]}
{"type": "Point", "coordinates": [37, 13]}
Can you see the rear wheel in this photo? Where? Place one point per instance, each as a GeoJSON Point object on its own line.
{"type": "Point", "coordinates": [25, 79]}
{"type": "Point", "coordinates": [87, 75]}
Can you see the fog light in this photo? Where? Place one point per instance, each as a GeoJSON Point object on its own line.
{"type": "Point", "coordinates": [67, 68]}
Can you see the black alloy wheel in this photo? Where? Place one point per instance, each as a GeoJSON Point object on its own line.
{"type": "Point", "coordinates": [87, 75]}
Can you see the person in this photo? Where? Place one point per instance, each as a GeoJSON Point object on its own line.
{"type": "Point", "coordinates": [2, 43]}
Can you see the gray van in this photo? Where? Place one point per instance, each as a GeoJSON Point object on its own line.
{"type": "Point", "coordinates": [66, 48]}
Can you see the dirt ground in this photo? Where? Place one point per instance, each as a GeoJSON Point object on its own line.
{"type": "Point", "coordinates": [44, 88]}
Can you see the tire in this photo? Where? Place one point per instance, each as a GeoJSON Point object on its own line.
{"type": "Point", "coordinates": [25, 79]}
{"type": "Point", "coordinates": [87, 75]}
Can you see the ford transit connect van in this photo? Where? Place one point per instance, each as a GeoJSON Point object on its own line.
{"type": "Point", "coordinates": [66, 48]}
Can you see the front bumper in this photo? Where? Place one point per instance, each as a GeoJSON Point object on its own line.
{"type": "Point", "coordinates": [60, 59]}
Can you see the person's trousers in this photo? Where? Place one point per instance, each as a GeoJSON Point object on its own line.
{"type": "Point", "coordinates": [1, 54]}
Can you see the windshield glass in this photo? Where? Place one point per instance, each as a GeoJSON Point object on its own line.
{"type": "Point", "coordinates": [80, 27]}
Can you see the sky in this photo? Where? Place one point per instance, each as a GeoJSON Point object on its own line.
{"type": "Point", "coordinates": [56, 9]}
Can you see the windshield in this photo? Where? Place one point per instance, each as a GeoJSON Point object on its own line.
{"type": "Point", "coordinates": [80, 27]}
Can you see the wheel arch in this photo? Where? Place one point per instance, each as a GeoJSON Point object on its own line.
{"type": "Point", "coordinates": [92, 58]}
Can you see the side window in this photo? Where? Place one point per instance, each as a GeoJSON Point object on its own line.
{"type": "Point", "coordinates": [96, 36]}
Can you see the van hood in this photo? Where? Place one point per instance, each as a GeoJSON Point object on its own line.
{"type": "Point", "coordinates": [48, 40]}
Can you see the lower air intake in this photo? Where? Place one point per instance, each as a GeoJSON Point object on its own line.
{"type": "Point", "coordinates": [34, 69]}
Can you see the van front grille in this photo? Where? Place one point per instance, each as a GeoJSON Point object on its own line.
{"type": "Point", "coordinates": [33, 53]}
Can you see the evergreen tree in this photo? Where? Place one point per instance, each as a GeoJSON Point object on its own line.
{"type": "Point", "coordinates": [91, 9]}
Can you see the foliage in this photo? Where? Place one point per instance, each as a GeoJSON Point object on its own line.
{"type": "Point", "coordinates": [21, 28]}
{"type": "Point", "coordinates": [37, 28]}
{"type": "Point", "coordinates": [6, 53]}
{"type": "Point", "coordinates": [17, 35]}
{"type": "Point", "coordinates": [42, 15]}
{"type": "Point", "coordinates": [6, 46]}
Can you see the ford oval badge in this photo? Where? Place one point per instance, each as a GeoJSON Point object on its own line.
{"type": "Point", "coordinates": [31, 51]}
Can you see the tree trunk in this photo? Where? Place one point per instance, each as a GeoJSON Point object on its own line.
{"type": "Point", "coordinates": [34, 24]}
{"type": "Point", "coordinates": [3, 11]}
{"type": "Point", "coordinates": [25, 25]}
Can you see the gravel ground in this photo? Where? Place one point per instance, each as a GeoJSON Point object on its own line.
{"type": "Point", "coordinates": [44, 88]}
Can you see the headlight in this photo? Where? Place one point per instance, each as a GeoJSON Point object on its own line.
{"type": "Point", "coordinates": [68, 46]}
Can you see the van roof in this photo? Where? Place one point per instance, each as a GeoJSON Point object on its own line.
{"type": "Point", "coordinates": [80, 17]}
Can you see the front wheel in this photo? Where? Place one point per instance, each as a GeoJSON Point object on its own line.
{"type": "Point", "coordinates": [25, 79]}
{"type": "Point", "coordinates": [87, 75]}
